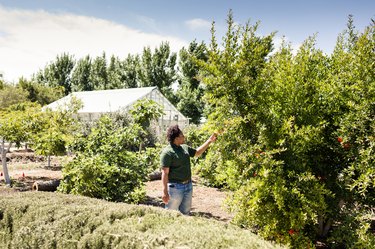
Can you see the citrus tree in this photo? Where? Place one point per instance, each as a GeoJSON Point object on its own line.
{"type": "Point", "coordinates": [294, 147]}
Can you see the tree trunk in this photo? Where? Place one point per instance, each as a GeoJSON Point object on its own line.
{"type": "Point", "coordinates": [4, 162]}
{"type": "Point", "coordinates": [46, 185]}
{"type": "Point", "coordinates": [49, 161]}
{"type": "Point", "coordinates": [325, 227]}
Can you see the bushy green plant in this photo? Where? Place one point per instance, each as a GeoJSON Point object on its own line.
{"type": "Point", "coordinates": [110, 160]}
{"type": "Point", "coordinates": [297, 133]}
{"type": "Point", "coordinates": [106, 167]}
{"type": "Point", "coordinates": [56, 129]}
{"type": "Point", "coordinates": [55, 220]}
{"type": "Point", "coordinates": [151, 157]}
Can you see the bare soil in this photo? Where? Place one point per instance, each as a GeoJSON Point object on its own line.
{"type": "Point", "coordinates": [207, 202]}
{"type": "Point", "coordinates": [24, 170]}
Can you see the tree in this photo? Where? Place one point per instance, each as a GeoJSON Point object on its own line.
{"type": "Point", "coordinates": [143, 113]}
{"type": "Point", "coordinates": [296, 147]}
{"type": "Point", "coordinates": [17, 123]}
{"type": "Point", "coordinates": [130, 68]}
{"type": "Point", "coordinates": [10, 95]}
{"type": "Point", "coordinates": [99, 74]}
{"type": "Point", "coordinates": [190, 91]}
{"type": "Point", "coordinates": [57, 73]}
{"type": "Point", "coordinates": [57, 130]}
{"type": "Point", "coordinates": [353, 66]}
{"type": "Point", "coordinates": [124, 73]}
{"type": "Point", "coordinates": [107, 163]}
{"type": "Point", "coordinates": [40, 93]}
{"type": "Point", "coordinates": [81, 79]}
{"type": "Point", "coordinates": [158, 69]}
{"type": "Point", "coordinates": [114, 72]}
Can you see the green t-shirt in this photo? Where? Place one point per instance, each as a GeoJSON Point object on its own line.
{"type": "Point", "coordinates": [177, 159]}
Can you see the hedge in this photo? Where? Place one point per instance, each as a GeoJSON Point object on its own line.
{"type": "Point", "coordinates": [56, 220]}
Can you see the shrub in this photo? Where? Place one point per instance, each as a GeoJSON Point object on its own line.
{"type": "Point", "coordinates": [298, 134]}
{"type": "Point", "coordinates": [55, 220]}
{"type": "Point", "coordinates": [105, 166]}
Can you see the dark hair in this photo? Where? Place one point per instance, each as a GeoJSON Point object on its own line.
{"type": "Point", "coordinates": [173, 132]}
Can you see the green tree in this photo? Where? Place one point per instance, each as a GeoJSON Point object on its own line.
{"type": "Point", "coordinates": [295, 146]}
{"type": "Point", "coordinates": [10, 95]}
{"type": "Point", "coordinates": [114, 73]}
{"type": "Point", "coordinates": [110, 161]}
{"type": "Point", "coordinates": [190, 91]}
{"type": "Point", "coordinates": [158, 69]}
{"type": "Point", "coordinates": [81, 76]}
{"type": "Point", "coordinates": [99, 74]}
{"type": "Point", "coordinates": [130, 71]}
{"type": "Point", "coordinates": [57, 130]}
{"type": "Point", "coordinates": [40, 93]}
{"type": "Point", "coordinates": [57, 73]}
{"type": "Point", "coordinates": [353, 66]}
{"type": "Point", "coordinates": [105, 166]}
{"type": "Point", "coordinates": [17, 123]}
{"type": "Point", "coordinates": [143, 112]}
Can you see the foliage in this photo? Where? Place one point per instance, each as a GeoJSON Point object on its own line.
{"type": "Point", "coordinates": [39, 93]}
{"type": "Point", "coordinates": [296, 144]}
{"type": "Point", "coordinates": [105, 166]}
{"type": "Point", "coordinates": [158, 69]}
{"type": "Point", "coordinates": [57, 73]}
{"type": "Point", "coordinates": [144, 111]}
{"type": "Point", "coordinates": [17, 124]}
{"type": "Point", "coordinates": [123, 73]}
{"type": "Point", "coordinates": [151, 68]}
{"type": "Point", "coordinates": [195, 136]}
{"type": "Point", "coordinates": [57, 129]}
{"type": "Point", "coordinates": [99, 74]}
{"type": "Point", "coordinates": [55, 220]}
{"type": "Point", "coordinates": [10, 95]}
{"type": "Point", "coordinates": [190, 91]}
{"type": "Point", "coordinates": [110, 161]}
{"type": "Point", "coordinates": [151, 158]}
{"type": "Point", "coordinates": [81, 75]}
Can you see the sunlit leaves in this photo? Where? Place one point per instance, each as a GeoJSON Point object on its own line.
{"type": "Point", "coordinates": [297, 131]}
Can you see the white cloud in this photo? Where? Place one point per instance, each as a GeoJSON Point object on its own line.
{"type": "Point", "coordinates": [198, 23]}
{"type": "Point", "coordinates": [31, 39]}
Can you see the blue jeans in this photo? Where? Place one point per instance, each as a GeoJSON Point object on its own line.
{"type": "Point", "coordinates": [180, 197]}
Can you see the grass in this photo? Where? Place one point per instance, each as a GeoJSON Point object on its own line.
{"type": "Point", "coordinates": [55, 220]}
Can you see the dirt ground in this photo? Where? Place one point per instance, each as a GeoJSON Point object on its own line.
{"type": "Point", "coordinates": [207, 202]}
{"type": "Point", "coordinates": [25, 170]}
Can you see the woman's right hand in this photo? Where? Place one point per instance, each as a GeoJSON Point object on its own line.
{"type": "Point", "coordinates": [165, 198]}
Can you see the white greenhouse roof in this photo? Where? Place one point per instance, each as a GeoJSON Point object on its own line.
{"type": "Point", "coordinates": [105, 100]}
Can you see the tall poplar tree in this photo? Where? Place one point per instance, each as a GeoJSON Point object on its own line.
{"type": "Point", "coordinates": [57, 73]}
{"type": "Point", "coordinates": [81, 77]}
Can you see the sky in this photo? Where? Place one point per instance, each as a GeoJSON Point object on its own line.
{"type": "Point", "coordinates": [34, 32]}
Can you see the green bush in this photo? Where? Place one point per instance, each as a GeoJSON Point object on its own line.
{"type": "Point", "coordinates": [105, 166]}
{"type": "Point", "coordinates": [298, 135]}
{"type": "Point", "coordinates": [114, 155]}
{"type": "Point", "coordinates": [55, 220]}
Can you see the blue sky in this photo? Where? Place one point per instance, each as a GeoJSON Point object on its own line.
{"type": "Point", "coordinates": [34, 32]}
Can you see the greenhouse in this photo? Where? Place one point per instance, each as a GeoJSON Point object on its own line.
{"type": "Point", "coordinates": [97, 103]}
